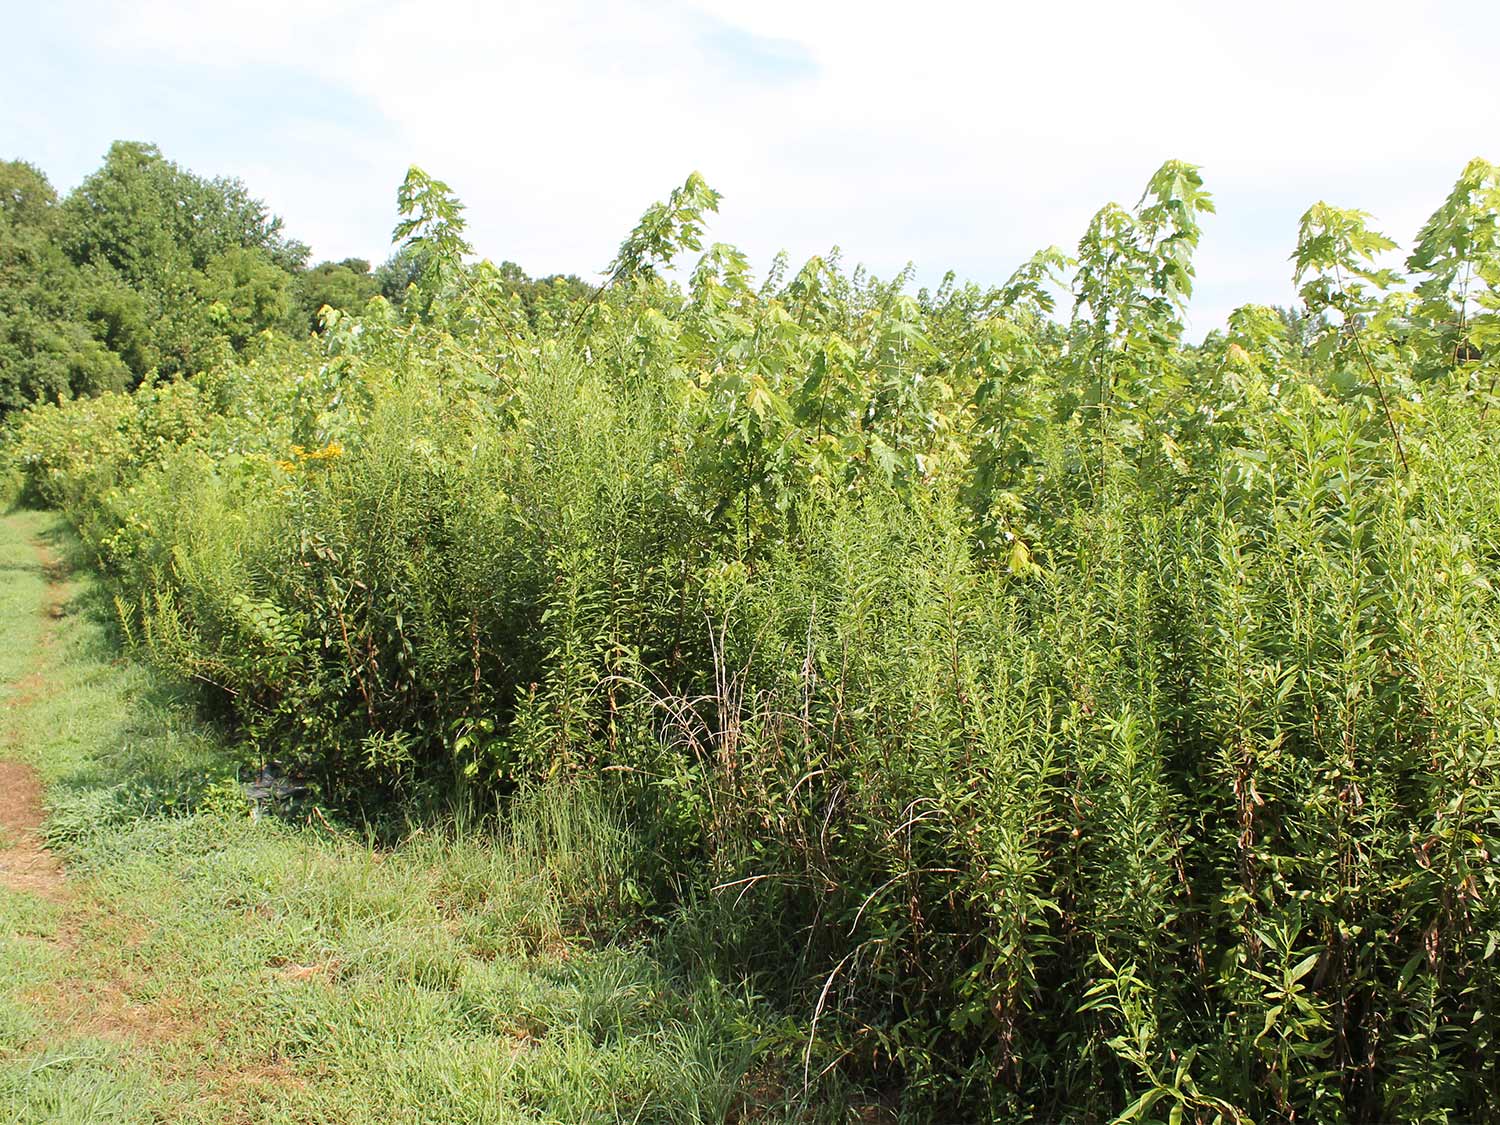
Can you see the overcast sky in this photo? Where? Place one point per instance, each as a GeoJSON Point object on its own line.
{"type": "Point", "coordinates": [952, 135]}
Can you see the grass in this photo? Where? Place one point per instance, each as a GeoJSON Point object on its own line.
{"type": "Point", "coordinates": [210, 965]}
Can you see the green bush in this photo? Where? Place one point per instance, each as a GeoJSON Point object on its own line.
{"type": "Point", "coordinates": [12, 486]}
{"type": "Point", "coordinates": [1062, 720]}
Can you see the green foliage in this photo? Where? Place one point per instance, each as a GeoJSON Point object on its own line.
{"type": "Point", "coordinates": [1457, 254]}
{"type": "Point", "coordinates": [430, 232]}
{"type": "Point", "coordinates": [27, 199]}
{"type": "Point", "coordinates": [398, 274]}
{"type": "Point", "coordinates": [1339, 252]}
{"type": "Point", "coordinates": [346, 286]}
{"type": "Point", "coordinates": [144, 269]}
{"type": "Point", "coordinates": [1065, 722]}
{"type": "Point", "coordinates": [149, 270]}
{"type": "Point", "coordinates": [464, 972]}
{"type": "Point", "coordinates": [666, 229]}
{"type": "Point", "coordinates": [246, 295]}
{"type": "Point", "coordinates": [57, 327]}
{"type": "Point", "coordinates": [210, 266]}
{"type": "Point", "coordinates": [146, 217]}
{"type": "Point", "coordinates": [553, 296]}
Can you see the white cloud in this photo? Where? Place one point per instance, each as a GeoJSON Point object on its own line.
{"type": "Point", "coordinates": [950, 134]}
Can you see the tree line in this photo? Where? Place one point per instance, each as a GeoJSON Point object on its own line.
{"type": "Point", "coordinates": [149, 269]}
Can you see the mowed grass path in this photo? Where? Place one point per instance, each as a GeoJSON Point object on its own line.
{"type": "Point", "coordinates": [167, 956]}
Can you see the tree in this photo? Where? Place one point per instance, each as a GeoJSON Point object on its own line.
{"type": "Point", "coordinates": [399, 273]}
{"type": "Point", "coordinates": [538, 293]}
{"type": "Point", "coordinates": [55, 325]}
{"type": "Point", "coordinates": [27, 199]}
{"type": "Point", "coordinates": [1457, 257]}
{"type": "Point", "coordinates": [145, 216]}
{"type": "Point", "coordinates": [247, 294]}
{"type": "Point", "coordinates": [346, 286]}
{"type": "Point", "coordinates": [432, 231]}
{"type": "Point", "coordinates": [207, 263]}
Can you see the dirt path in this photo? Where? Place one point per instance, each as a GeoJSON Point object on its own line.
{"type": "Point", "coordinates": [25, 863]}
{"type": "Point", "coordinates": [94, 1003]}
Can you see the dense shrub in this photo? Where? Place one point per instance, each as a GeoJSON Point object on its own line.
{"type": "Point", "coordinates": [1067, 721]}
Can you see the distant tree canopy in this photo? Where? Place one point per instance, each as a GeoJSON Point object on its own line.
{"type": "Point", "coordinates": [536, 292]}
{"type": "Point", "coordinates": [145, 216]}
{"type": "Point", "coordinates": [147, 268]}
{"type": "Point", "coordinates": [346, 286]}
{"type": "Point", "coordinates": [63, 331]}
{"type": "Point", "coordinates": [144, 268]}
{"type": "Point", "coordinates": [208, 260]}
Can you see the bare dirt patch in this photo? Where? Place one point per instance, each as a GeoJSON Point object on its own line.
{"type": "Point", "coordinates": [30, 688]}
{"type": "Point", "coordinates": [105, 1009]}
{"type": "Point", "coordinates": [25, 863]}
{"type": "Point", "coordinates": [240, 1089]}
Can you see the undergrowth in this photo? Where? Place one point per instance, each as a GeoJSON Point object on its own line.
{"type": "Point", "coordinates": [213, 963]}
{"type": "Point", "coordinates": [1058, 719]}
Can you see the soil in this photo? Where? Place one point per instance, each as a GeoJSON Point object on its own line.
{"type": "Point", "coordinates": [25, 863]}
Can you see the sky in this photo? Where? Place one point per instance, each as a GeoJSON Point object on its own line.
{"type": "Point", "coordinates": [958, 136]}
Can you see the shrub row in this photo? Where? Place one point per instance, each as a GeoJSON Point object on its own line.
{"type": "Point", "coordinates": [1066, 722]}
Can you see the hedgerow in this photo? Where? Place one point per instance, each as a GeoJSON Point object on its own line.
{"type": "Point", "coordinates": [1065, 720]}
